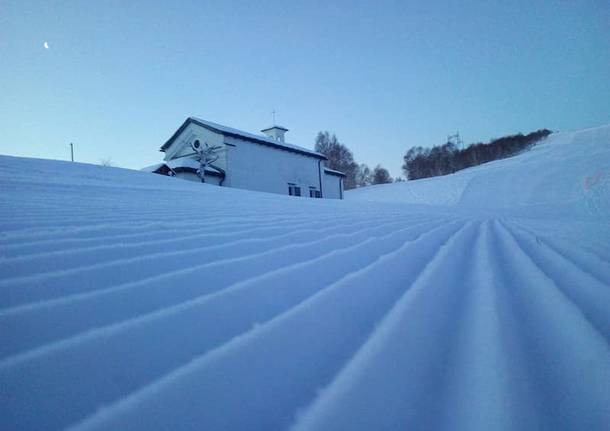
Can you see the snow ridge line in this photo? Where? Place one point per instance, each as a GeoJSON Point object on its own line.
{"type": "Point", "coordinates": [486, 382]}
{"type": "Point", "coordinates": [100, 229]}
{"type": "Point", "coordinates": [21, 378]}
{"type": "Point", "coordinates": [527, 404]}
{"type": "Point", "coordinates": [347, 381]}
{"type": "Point", "coordinates": [121, 302]}
{"type": "Point", "coordinates": [138, 206]}
{"type": "Point", "coordinates": [593, 243]}
{"type": "Point", "coordinates": [585, 291]}
{"type": "Point", "coordinates": [128, 246]}
{"type": "Point", "coordinates": [201, 299]}
{"type": "Point", "coordinates": [15, 285]}
{"type": "Point", "coordinates": [544, 278]}
{"type": "Point", "coordinates": [143, 228]}
{"type": "Point", "coordinates": [44, 276]}
{"type": "Point", "coordinates": [162, 386]}
{"type": "Point", "coordinates": [600, 271]}
{"type": "Point", "coordinates": [90, 220]}
{"type": "Point", "coordinates": [28, 261]}
{"type": "Point", "coordinates": [560, 344]}
{"type": "Point", "coordinates": [139, 320]}
{"type": "Point", "coordinates": [568, 257]}
{"type": "Point", "coordinates": [21, 248]}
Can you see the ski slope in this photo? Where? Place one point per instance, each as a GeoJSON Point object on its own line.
{"type": "Point", "coordinates": [567, 172]}
{"type": "Point", "coordinates": [477, 301]}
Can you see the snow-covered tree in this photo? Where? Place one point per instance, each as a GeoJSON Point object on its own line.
{"type": "Point", "coordinates": [363, 176]}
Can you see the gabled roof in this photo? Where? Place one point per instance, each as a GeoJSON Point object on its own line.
{"type": "Point", "coordinates": [152, 168]}
{"type": "Point", "coordinates": [229, 131]}
{"type": "Point", "coordinates": [274, 127]}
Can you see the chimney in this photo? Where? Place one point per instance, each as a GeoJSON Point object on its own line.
{"type": "Point", "coordinates": [275, 132]}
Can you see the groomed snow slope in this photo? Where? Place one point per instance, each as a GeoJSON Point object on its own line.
{"type": "Point", "coordinates": [568, 171]}
{"type": "Point", "coordinates": [130, 301]}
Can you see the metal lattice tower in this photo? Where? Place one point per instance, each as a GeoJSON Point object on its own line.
{"type": "Point", "coordinates": [456, 140]}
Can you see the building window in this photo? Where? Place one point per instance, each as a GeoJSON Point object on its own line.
{"type": "Point", "coordinates": [313, 193]}
{"type": "Point", "coordinates": [294, 190]}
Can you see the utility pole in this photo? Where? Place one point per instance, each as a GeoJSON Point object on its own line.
{"type": "Point", "coordinates": [71, 151]}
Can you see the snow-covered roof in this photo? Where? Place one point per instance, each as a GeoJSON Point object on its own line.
{"type": "Point", "coordinates": [152, 168]}
{"type": "Point", "coordinates": [333, 172]}
{"type": "Point", "coordinates": [274, 127]}
{"type": "Point", "coordinates": [260, 139]}
{"type": "Point", "coordinates": [183, 162]}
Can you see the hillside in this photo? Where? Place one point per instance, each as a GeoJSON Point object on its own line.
{"type": "Point", "coordinates": [475, 301]}
{"type": "Point", "coordinates": [568, 172]}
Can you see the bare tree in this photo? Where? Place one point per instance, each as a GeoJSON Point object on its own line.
{"type": "Point", "coordinates": [206, 155]}
{"type": "Point", "coordinates": [381, 175]}
{"type": "Point", "coordinates": [448, 158]}
{"type": "Point", "coordinates": [339, 157]}
{"type": "Point", "coordinates": [106, 161]}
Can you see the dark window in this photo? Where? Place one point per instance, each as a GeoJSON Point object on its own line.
{"type": "Point", "coordinates": [313, 193]}
{"type": "Point", "coordinates": [294, 190]}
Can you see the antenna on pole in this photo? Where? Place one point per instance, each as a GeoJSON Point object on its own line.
{"type": "Point", "coordinates": [273, 114]}
{"type": "Point", "coordinates": [71, 151]}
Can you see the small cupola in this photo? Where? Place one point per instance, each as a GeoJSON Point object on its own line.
{"type": "Point", "coordinates": [275, 132]}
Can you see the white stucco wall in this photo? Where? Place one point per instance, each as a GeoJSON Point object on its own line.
{"type": "Point", "coordinates": [332, 186]}
{"type": "Point", "coordinates": [258, 167]}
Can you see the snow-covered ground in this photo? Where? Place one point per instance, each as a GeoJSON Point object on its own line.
{"type": "Point", "coordinates": [480, 300]}
{"type": "Point", "coordinates": [567, 172]}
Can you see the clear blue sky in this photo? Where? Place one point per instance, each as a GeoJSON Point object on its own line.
{"type": "Point", "coordinates": [119, 77]}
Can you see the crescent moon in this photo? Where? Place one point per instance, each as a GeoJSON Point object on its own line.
{"type": "Point", "coordinates": [46, 45]}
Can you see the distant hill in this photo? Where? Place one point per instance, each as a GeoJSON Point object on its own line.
{"type": "Point", "coordinates": [570, 169]}
{"type": "Point", "coordinates": [446, 159]}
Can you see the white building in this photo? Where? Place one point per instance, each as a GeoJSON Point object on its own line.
{"type": "Point", "coordinates": [248, 161]}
